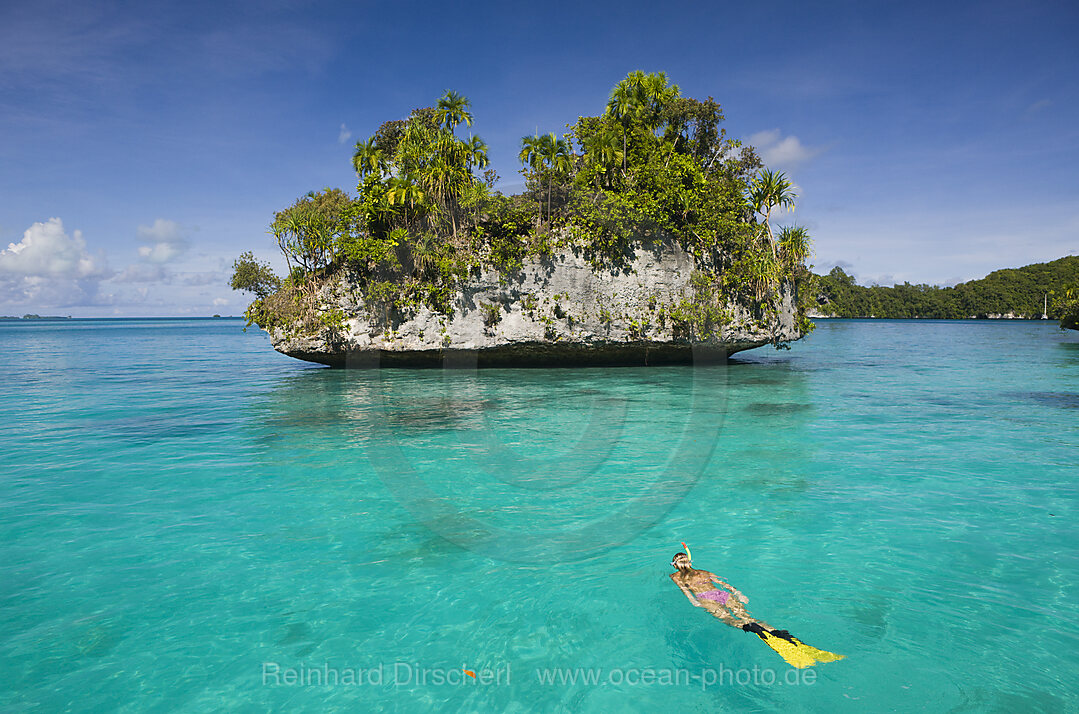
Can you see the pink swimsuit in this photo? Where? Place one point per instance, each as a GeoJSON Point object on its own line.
{"type": "Point", "coordinates": [720, 596]}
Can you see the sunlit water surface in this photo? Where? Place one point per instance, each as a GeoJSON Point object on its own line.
{"type": "Point", "coordinates": [185, 511]}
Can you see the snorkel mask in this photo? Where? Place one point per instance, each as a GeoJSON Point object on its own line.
{"type": "Point", "coordinates": [689, 556]}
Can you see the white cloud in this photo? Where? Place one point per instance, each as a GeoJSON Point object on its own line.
{"type": "Point", "coordinates": [344, 135]}
{"type": "Point", "coordinates": [780, 151]}
{"type": "Point", "coordinates": [47, 251]}
{"type": "Point", "coordinates": [218, 302]}
{"type": "Point", "coordinates": [49, 267]}
{"type": "Point", "coordinates": [166, 241]}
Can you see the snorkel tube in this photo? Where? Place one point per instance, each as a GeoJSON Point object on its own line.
{"type": "Point", "coordinates": [688, 554]}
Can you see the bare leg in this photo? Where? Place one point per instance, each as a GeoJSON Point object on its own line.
{"type": "Point", "coordinates": [735, 616]}
{"type": "Point", "coordinates": [738, 610]}
{"type": "Point", "coordinates": [721, 613]}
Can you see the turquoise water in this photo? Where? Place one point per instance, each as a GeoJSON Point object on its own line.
{"type": "Point", "coordinates": [185, 510]}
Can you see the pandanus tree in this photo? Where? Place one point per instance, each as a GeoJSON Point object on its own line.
{"type": "Point", "coordinates": [307, 231]}
{"type": "Point", "coordinates": [762, 272]}
{"type": "Point", "coordinates": [439, 163]}
{"type": "Point", "coordinates": [771, 190]}
{"type": "Point", "coordinates": [793, 246]}
{"type": "Point", "coordinates": [444, 178]}
{"type": "Point", "coordinates": [425, 253]}
{"type": "Point", "coordinates": [794, 251]}
{"type": "Point", "coordinates": [655, 93]}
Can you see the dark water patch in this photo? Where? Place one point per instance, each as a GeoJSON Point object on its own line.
{"type": "Point", "coordinates": [97, 640]}
{"type": "Point", "coordinates": [294, 633]}
{"type": "Point", "coordinates": [949, 402]}
{"type": "Point", "coordinates": [872, 616]}
{"type": "Point", "coordinates": [438, 536]}
{"type": "Point", "coordinates": [1062, 400]}
{"type": "Point", "coordinates": [1030, 699]}
{"type": "Point", "coordinates": [304, 420]}
{"type": "Point", "coordinates": [764, 383]}
{"type": "Point", "coordinates": [150, 429]}
{"type": "Point", "coordinates": [965, 403]}
{"type": "Point", "coordinates": [746, 372]}
{"type": "Point", "coordinates": [770, 408]}
{"type": "Point", "coordinates": [436, 414]}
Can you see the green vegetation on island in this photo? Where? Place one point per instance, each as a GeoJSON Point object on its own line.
{"type": "Point", "coordinates": [1066, 307]}
{"type": "Point", "coordinates": [1014, 292]}
{"type": "Point", "coordinates": [655, 165]}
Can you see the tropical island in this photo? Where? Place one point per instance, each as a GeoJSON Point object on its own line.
{"type": "Point", "coordinates": [1040, 290]}
{"type": "Point", "coordinates": [643, 236]}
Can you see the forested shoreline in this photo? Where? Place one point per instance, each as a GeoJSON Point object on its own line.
{"type": "Point", "coordinates": [1024, 292]}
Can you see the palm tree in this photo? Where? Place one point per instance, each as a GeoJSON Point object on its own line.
{"type": "Point", "coordinates": [640, 98]}
{"type": "Point", "coordinates": [452, 109]}
{"type": "Point", "coordinates": [531, 156]}
{"type": "Point", "coordinates": [530, 151]}
{"type": "Point", "coordinates": [605, 152]}
{"type": "Point", "coordinates": [368, 158]}
{"type": "Point", "coordinates": [476, 153]}
{"type": "Point", "coordinates": [555, 156]}
{"type": "Point", "coordinates": [404, 190]}
{"type": "Point", "coordinates": [769, 191]}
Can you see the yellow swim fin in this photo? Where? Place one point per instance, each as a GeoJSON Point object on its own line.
{"type": "Point", "coordinates": [794, 651]}
{"type": "Point", "coordinates": [795, 655]}
{"type": "Point", "coordinates": [819, 655]}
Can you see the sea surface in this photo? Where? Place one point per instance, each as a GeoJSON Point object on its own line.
{"type": "Point", "coordinates": [187, 517]}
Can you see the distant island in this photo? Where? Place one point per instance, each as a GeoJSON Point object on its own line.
{"type": "Point", "coordinates": [644, 236]}
{"type": "Point", "coordinates": [36, 317]}
{"type": "Point", "coordinates": [1030, 292]}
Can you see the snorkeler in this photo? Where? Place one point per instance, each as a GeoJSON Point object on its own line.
{"type": "Point", "coordinates": [729, 605]}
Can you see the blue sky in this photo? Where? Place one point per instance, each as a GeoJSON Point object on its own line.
{"type": "Point", "coordinates": [144, 145]}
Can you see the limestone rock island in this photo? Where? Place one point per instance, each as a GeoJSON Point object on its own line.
{"type": "Point", "coordinates": [643, 237]}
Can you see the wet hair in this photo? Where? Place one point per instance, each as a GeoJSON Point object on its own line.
{"type": "Point", "coordinates": [678, 559]}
